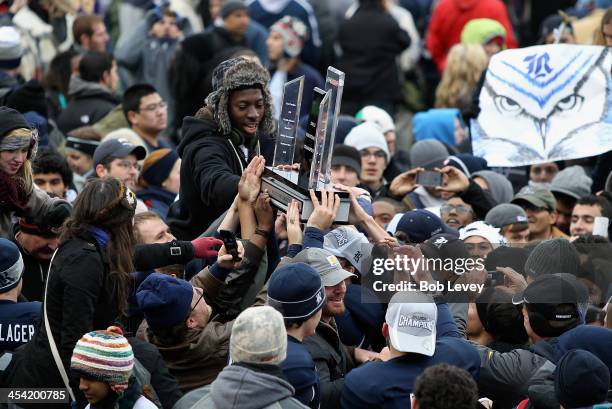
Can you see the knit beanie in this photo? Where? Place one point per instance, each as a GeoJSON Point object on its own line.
{"type": "Point", "coordinates": [344, 155]}
{"type": "Point", "coordinates": [367, 135]}
{"type": "Point", "coordinates": [10, 48]}
{"type": "Point", "coordinates": [10, 120]}
{"type": "Point", "coordinates": [427, 154]}
{"type": "Point", "coordinates": [466, 163]}
{"type": "Point", "coordinates": [581, 380]}
{"type": "Point", "coordinates": [157, 166]}
{"type": "Point", "coordinates": [29, 97]}
{"type": "Point", "coordinates": [551, 257]}
{"type": "Point", "coordinates": [164, 300]}
{"type": "Point", "coordinates": [377, 115]}
{"type": "Point", "coordinates": [104, 356]}
{"type": "Point", "coordinates": [499, 186]}
{"type": "Point", "coordinates": [259, 337]}
{"type": "Point", "coordinates": [229, 6]}
{"type": "Point", "coordinates": [572, 181]}
{"type": "Point", "coordinates": [239, 73]}
{"type": "Point", "coordinates": [294, 32]}
{"type": "Point", "coordinates": [11, 265]}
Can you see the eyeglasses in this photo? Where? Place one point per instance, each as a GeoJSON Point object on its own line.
{"type": "Point", "coordinates": [196, 304]}
{"type": "Point", "coordinates": [378, 154]}
{"type": "Point", "coordinates": [154, 107]}
{"type": "Point", "coordinates": [459, 209]}
{"type": "Point", "coordinates": [127, 164]}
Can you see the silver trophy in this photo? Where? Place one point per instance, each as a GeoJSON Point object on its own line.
{"type": "Point", "coordinates": [300, 165]}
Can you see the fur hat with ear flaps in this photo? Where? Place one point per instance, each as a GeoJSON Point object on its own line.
{"type": "Point", "coordinates": [238, 73]}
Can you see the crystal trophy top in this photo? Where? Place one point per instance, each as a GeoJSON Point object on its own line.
{"type": "Point", "coordinates": [289, 122]}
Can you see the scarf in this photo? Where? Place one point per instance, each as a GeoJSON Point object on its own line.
{"type": "Point", "coordinates": [12, 195]}
{"type": "Point", "coordinates": [100, 235]}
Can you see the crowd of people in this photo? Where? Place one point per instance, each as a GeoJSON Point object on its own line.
{"type": "Point", "coordinates": [142, 264]}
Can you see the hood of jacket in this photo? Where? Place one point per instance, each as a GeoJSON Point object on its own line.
{"type": "Point", "coordinates": [193, 129]}
{"type": "Point", "coordinates": [465, 5]}
{"type": "Point", "coordinates": [78, 87]}
{"type": "Point", "coordinates": [238, 387]}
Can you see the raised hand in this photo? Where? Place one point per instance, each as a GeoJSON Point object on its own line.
{"type": "Point", "coordinates": [264, 212]}
{"type": "Point", "coordinates": [225, 260]}
{"type": "Point", "coordinates": [324, 213]}
{"type": "Point", "coordinates": [454, 180]}
{"type": "Point", "coordinates": [250, 181]}
{"type": "Point", "coordinates": [294, 231]}
{"type": "Point", "coordinates": [404, 183]}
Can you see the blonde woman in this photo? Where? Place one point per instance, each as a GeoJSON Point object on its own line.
{"type": "Point", "coordinates": [18, 194]}
{"type": "Point", "coordinates": [465, 65]}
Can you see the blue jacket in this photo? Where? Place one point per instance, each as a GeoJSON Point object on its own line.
{"type": "Point", "coordinates": [389, 384]}
{"type": "Point", "coordinates": [299, 369]}
{"type": "Point", "coordinates": [18, 321]}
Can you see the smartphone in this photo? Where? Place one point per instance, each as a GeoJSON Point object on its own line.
{"type": "Point", "coordinates": [229, 241]}
{"type": "Point", "coordinates": [600, 226]}
{"type": "Point", "coordinates": [494, 278]}
{"type": "Point", "coordinates": [429, 178]}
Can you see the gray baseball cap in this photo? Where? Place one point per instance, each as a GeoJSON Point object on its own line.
{"type": "Point", "coordinates": [118, 148]}
{"type": "Point", "coordinates": [350, 244]}
{"type": "Point", "coordinates": [325, 263]}
{"type": "Point", "coordinates": [505, 214]}
{"type": "Point", "coordinates": [537, 196]}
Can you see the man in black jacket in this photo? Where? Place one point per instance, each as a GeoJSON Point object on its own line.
{"type": "Point", "coordinates": [90, 92]}
{"type": "Point", "coordinates": [218, 143]}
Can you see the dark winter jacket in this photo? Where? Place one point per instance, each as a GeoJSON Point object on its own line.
{"type": "Point", "coordinates": [89, 102]}
{"type": "Point", "coordinates": [75, 306]}
{"type": "Point", "coordinates": [389, 384]}
{"type": "Point", "coordinates": [165, 385]}
{"type": "Point", "coordinates": [371, 40]}
{"type": "Point", "coordinates": [333, 361]}
{"type": "Point", "coordinates": [247, 386]}
{"type": "Point", "coordinates": [300, 370]}
{"type": "Point", "coordinates": [210, 171]}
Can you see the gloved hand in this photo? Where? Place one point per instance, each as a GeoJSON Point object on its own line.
{"type": "Point", "coordinates": [206, 247]}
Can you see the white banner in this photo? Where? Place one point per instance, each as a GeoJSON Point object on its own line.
{"type": "Point", "coordinates": [545, 103]}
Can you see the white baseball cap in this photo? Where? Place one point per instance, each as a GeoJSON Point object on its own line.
{"type": "Point", "coordinates": [411, 317]}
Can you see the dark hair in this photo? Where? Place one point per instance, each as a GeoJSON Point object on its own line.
{"type": "Point", "coordinates": [592, 200]}
{"type": "Point", "coordinates": [172, 335]}
{"type": "Point", "coordinates": [84, 25]}
{"type": "Point", "coordinates": [500, 318]}
{"type": "Point", "coordinates": [94, 64]}
{"type": "Point", "coordinates": [445, 386]}
{"type": "Point", "coordinates": [133, 95]}
{"type": "Point", "coordinates": [57, 77]}
{"type": "Point", "coordinates": [104, 203]}
{"type": "Point", "coordinates": [50, 161]}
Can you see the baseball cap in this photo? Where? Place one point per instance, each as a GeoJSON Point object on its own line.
{"type": "Point", "coordinates": [422, 224]}
{"type": "Point", "coordinates": [325, 263]}
{"type": "Point", "coordinates": [350, 244]}
{"type": "Point", "coordinates": [553, 301]}
{"type": "Point", "coordinates": [537, 196]}
{"type": "Point", "coordinates": [118, 148]}
{"type": "Point", "coordinates": [505, 214]}
{"type": "Point", "coordinates": [445, 246]}
{"type": "Point", "coordinates": [411, 317]}
{"type": "Point", "coordinates": [482, 229]}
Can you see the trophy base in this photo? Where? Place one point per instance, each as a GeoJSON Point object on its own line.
{"type": "Point", "coordinates": [282, 190]}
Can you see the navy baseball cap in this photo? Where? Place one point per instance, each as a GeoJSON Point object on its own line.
{"type": "Point", "coordinates": [117, 148]}
{"type": "Point", "coordinates": [420, 225]}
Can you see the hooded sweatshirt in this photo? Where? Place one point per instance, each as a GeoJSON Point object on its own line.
{"type": "Point", "coordinates": [244, 386]}
{"type": "Point", "coordinates": [90, 102]}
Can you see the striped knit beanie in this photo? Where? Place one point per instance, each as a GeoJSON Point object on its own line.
{"type": "Point", "coordinates": [104, 356]}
